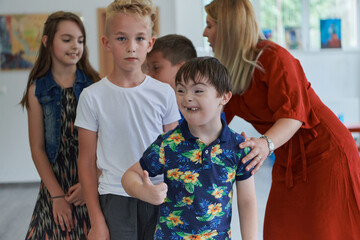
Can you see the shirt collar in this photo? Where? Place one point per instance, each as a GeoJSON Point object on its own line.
{"type": "Point", "coordinates": [224, 136]}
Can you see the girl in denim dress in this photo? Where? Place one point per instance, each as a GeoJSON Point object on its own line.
{"type": "Point", "coordinates": [60, 73]}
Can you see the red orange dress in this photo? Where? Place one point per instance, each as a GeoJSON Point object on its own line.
{"type": "Point", "coordinates": [315, 193]}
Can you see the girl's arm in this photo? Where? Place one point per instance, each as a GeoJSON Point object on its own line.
{"type": "Point", "coordinates": [247, 207]}
{"type": "Point", "coordinates": [137, 184]}
{"type": "Point", "coordinates": [89, 183]}
{"type": "Point", "coordinates": [170, 126]}
{"type": "Point", "coordinates": [61, 208]}
{"type": "Point", "coordinates": [282, 130]}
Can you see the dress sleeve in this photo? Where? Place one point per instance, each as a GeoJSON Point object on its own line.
{"type": "Point", "coordinates": [288, 88]}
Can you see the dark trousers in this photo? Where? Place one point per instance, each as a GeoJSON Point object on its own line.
{"type": "Point", "coordinates": [129, 218]}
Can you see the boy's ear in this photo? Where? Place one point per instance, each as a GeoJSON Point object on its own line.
{"type": "Point", "coordinates": [105, 42]}
{"type": "Point", "coordinates": [151, 44]}
{"type": "Point", "coordinates": [178, 65]}
{"type": "Point", "coordinates": [44, 40]}
{"type": "Point", "coordinates": [226, 98]}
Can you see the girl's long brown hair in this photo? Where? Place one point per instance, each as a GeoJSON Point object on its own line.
{"type": "Point", "coordinates": [43, 62]}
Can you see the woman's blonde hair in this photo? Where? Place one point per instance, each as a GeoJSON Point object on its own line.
{"type": "Point", "coordinates": [142, 8]}
{"type": "Point", "coordinates": [237, 36]}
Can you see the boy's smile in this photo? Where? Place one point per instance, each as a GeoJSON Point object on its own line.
{"type": "Point", "coordinates": [200, 103]}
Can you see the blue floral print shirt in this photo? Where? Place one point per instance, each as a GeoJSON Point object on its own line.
{"type": "Point", "coordinates": [200, 180]}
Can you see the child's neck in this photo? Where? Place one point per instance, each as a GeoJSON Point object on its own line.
{"type": "Point", "coordinates": [64, 77]}
{"type": "Point", "coordinates": [207, 133]}
{"type": "Point", "coordinates": [126, 79]}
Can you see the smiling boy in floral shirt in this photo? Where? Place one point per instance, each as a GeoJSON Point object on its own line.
{"type": "Point", "coordinates": [200, 160]}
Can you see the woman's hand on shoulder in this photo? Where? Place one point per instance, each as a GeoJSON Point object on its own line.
{"type": "Point", "coordinates": [259, 152]}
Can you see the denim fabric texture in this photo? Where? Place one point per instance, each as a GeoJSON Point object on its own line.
{"type": "Point", "coordinates": [48, 92]}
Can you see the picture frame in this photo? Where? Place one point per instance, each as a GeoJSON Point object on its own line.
{"type": "Point", "coordinates": [20, 37]}
{"type": "Point", "coordinates": [330, 31]}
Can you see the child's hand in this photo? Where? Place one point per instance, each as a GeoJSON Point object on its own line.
{"type": "Point", "coordinates": [75, 195]}
{"type": "Point", "coordinates": [99, 231]}
{"type": "Point", "coordinates": [154, 194]}
{"type": "Point", "coordinates": [62, 213]}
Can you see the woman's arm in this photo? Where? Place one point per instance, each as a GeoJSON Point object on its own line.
{"type": "Point", "coordinates": [61, 208]}
{"type": "Point", "coordinates": [282, 130]}
{"type": "Point", "coordinates": [247, 207]}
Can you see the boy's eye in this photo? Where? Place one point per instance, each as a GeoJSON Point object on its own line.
{"type": "Point", "coordinates": [121, 38]}
{"type": "Point", "coordinates": [140, 39]}
{"type": "Point", "coordinates": [199, 91]}
{"type": "Point", "coordinates": [179, 90]}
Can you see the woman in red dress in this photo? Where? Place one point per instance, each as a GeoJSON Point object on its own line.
{"type": "Point", "coordinates": [315, 193]}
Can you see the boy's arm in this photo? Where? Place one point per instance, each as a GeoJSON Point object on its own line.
{"type": "Point", "coordinates": [170, 126]}
{"type": "Point", "coordinates": [247, 207]}
{"type": "Point", "coordinates": [137, 184]}
{"type": "Point", "coordinates": [89, 183]}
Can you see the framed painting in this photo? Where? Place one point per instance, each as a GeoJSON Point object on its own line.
{"type": "Point", "coordinates": [20, 37]}
{"type": "Point", "coordinates": [330, 30]}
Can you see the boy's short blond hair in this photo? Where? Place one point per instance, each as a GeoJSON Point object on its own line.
{"type": "Point", "coordinates": [142, 8]}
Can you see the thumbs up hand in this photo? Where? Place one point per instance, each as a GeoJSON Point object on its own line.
{"type": "Point", "coordinates": [155, 194]}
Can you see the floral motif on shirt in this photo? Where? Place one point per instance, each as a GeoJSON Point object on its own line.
{"type": "Point", "coordinates": [216, 150]}
{"type": "Point", "coordinates": [173, 140]}
{"type": "Point", "coordinates": [174, 174]}
{"type": "Point", "coordinates": [217, 192]}
{"type": "Point", "coordinates": [194, 155]}
{"type": "Point", "coordinates": [162, 156]}
{"type": "Point", "coordinates": [230, 174]}
{"type": "Point", "coordinates": [185, 201]}
{"type": "Point", "coordinates": [205, 235]}
{"type": "Point", "coordinates": [172, 220]}
{"type": "Point", "coordinates": [214, 210]}
{"type": "Point", "coordinates": [188, 178]}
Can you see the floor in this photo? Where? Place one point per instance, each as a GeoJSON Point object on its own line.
{"type": "Point", "coordinates": [17, 202]}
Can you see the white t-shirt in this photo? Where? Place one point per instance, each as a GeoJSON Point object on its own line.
{"type": "Point", "coordinates": [127, 121]}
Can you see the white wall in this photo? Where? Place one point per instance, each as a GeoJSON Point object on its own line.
{"type": "Point", "coordinates": [15, 160]}
{"type": "Point", "coordinates": [334, 74]}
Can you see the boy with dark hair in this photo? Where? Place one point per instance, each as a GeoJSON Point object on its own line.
{"type": "Point", "coordinates": [168, 54]}
{"type": "Point", "coordinates": [200, 160]}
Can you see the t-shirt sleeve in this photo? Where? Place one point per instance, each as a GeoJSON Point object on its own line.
{"type": "Point", "coordinates": [86, 116]}
{"type": "Point", "coordinates": [288, 94]}
{"type": "Point", "coordinates": [153, 159]}
{"type": "Point", "coordinates": [241, 173]}
{"type": "Point", "coordinates": [172, 112]}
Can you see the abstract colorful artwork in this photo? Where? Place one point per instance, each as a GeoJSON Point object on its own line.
{"type": "Point", "coordinates": [20, 37]}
